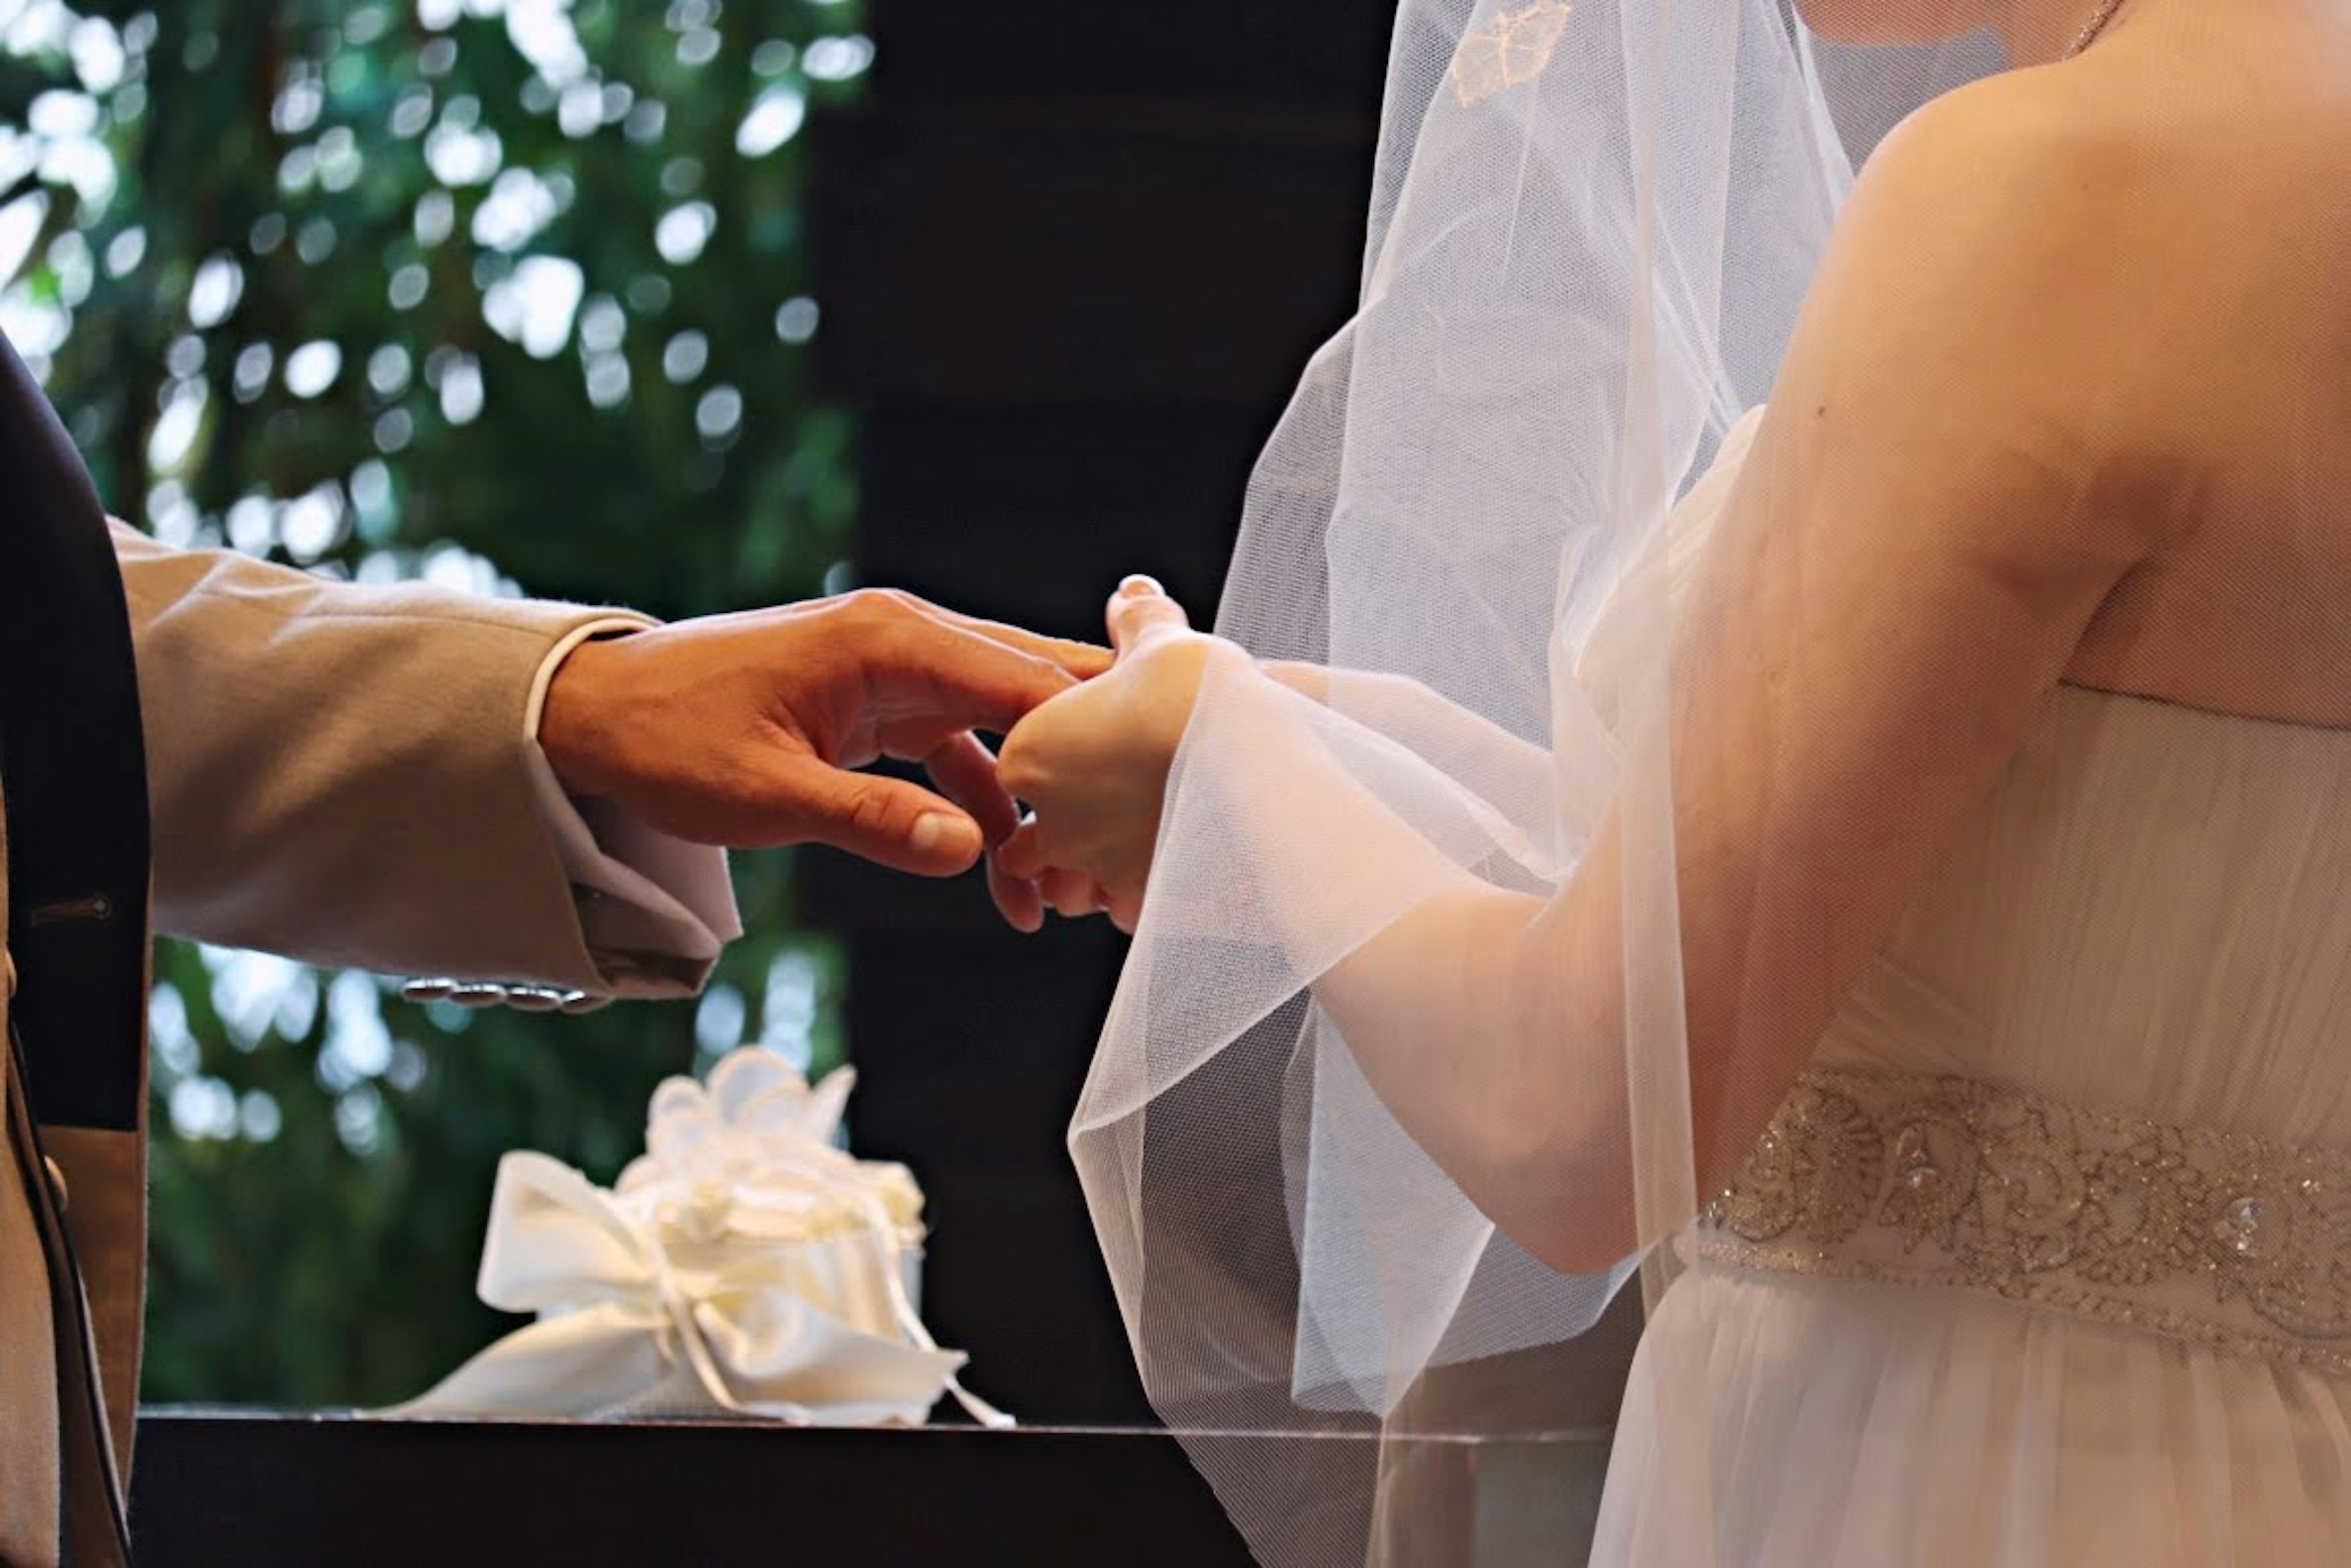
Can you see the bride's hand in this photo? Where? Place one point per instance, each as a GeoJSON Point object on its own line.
{"type": "Point", "coordinates": [1092, 763]}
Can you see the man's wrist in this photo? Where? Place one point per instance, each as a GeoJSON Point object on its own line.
{"type": "Point", "coordinates": [568, 717]}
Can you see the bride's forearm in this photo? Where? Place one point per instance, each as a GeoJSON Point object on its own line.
{"type": "Point", "coordinates": [1487, 1021]}
{"type": "Point", "coordinates": [1504, 1064]}
{"type": "Point", "coordinates": [1510, 770]}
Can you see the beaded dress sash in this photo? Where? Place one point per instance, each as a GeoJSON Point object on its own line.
{"type": "Point", "coordinates": [2211, 1238]}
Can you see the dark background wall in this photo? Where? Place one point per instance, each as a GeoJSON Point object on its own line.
{"type": "Point", "coordinates": [1071, 259]}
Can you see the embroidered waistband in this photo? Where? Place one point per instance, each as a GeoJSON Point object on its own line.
{"type": "Point", "coordinates": [2213, 1237]}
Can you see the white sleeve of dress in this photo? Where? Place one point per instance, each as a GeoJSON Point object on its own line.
{"type": "Point", "coordinates": [640, 890]}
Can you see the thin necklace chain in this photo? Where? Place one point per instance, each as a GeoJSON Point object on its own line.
{"type": "Point", "coordinates": [2093, 26]}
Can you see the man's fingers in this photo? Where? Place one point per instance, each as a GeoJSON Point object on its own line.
{"type": "Point", "coordinates": [964, 772]}
{"type": "Point", "coordinates": [967, 681]}
{"type": "Point", "coordinates": [1140, 611]}
{"type": "Point", "coordinates": [1082, 660]}
{"type": "Point", "coordinates": [887, 820]}
{"type": "Point", "coordinates": [964, 768]}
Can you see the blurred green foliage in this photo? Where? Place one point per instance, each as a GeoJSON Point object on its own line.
{"type": "Point", "coordinates": [493, 292]}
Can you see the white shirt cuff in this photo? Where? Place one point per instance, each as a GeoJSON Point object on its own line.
{"type": "Point", "coordinates": [637, 890]}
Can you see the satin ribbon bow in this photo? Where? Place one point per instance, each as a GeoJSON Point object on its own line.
{"type": "Point", "coordinates": [743, 1265]}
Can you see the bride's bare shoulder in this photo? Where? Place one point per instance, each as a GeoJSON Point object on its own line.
{"type": "Point", "coordinates": [2082, 232]}
{"type": "Point", "coordinates": [2143, 142]}
{"type": "Point", "coordinates": [1981, 315]}
{"type": "Point", "coordinates": [2018, 152]}
{"type": "Point", "coordinates": [1980, 236]}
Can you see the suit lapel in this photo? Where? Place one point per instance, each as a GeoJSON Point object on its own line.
{"type": "Point", "coordinates": [73, 787]}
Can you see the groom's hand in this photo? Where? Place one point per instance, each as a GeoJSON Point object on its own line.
{"type": "Point", "coordinates": [741, 730]}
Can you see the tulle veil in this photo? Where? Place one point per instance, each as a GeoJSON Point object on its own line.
{"type": "Point", "coordinates": [1590, 227]}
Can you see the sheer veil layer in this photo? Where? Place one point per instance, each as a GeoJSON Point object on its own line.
{"type": "Point", "coordinates": [1591, 227]}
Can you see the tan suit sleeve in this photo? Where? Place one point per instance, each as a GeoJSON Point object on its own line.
{"type": "Point", "coordinates": [342, 773]}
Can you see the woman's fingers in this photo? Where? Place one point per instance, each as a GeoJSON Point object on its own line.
{"type": "Point", "coordinates": [1072, 895]}
{"type": "Point", "coordinates": [1141, 611]}
{"type": "Point", "coordinates": [1020, 903]}
{"type": "Point", "coordinates": [1022, 854]}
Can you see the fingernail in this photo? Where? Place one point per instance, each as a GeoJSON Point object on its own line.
{"type": "Point", "coordinates": [1138, 586]}
{"type": "Point", "coordinates": [936, 830]}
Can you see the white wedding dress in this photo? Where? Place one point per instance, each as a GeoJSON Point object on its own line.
{"type": "Point", "coordinates": [2043, 1261]}
{"type": "Point", "coordinates": [2046, 1262]}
